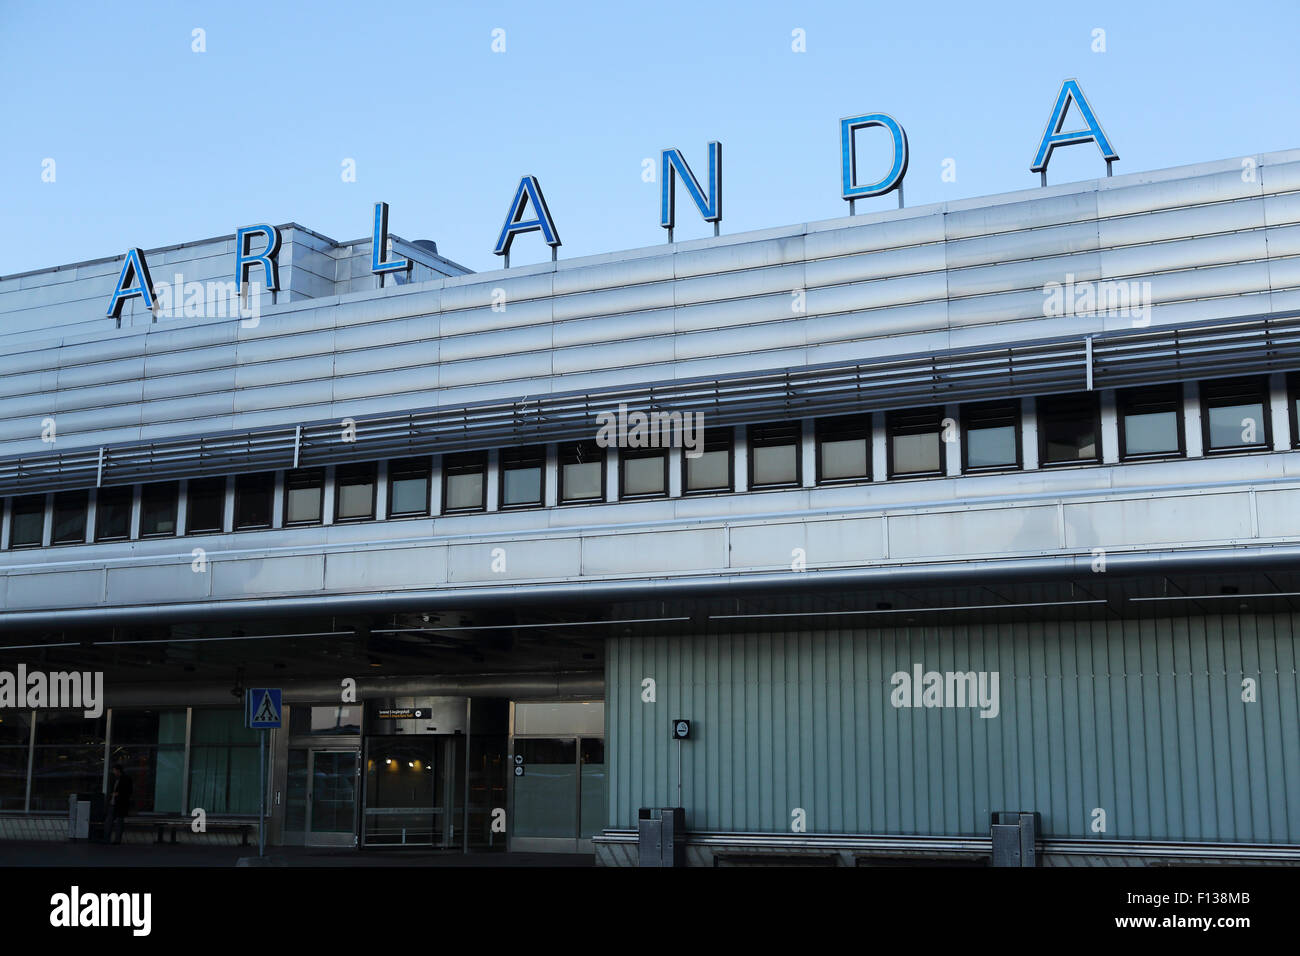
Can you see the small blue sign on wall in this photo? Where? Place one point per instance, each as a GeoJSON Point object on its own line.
{"type": "Point", "coordinates": [262, 708]}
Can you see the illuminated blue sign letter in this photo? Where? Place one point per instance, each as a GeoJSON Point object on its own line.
{"type": "Point", "coordinates": [893, 179]}
{"type": "Point", "coordinates": [379, 246]}
{"type": "Point", "coordinates": [530, 190]}
{"type": "Point", "coordinates": [674, 165]}
{"type": "Point", "coordinates": [1053, 137]}
{"type": "Point", "coordinates": [268, 258]}
{"type": "Point", "coordinates": [134, 280]}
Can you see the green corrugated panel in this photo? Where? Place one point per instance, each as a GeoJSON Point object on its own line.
{"type": "Point", "coordinates": [1142, 718]}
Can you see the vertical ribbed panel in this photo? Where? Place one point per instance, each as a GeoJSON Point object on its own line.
{"type": "Point", "coordinates": [1141, 718]}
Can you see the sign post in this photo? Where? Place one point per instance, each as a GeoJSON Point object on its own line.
{"type": "Point", "coordinates": [262, 712]}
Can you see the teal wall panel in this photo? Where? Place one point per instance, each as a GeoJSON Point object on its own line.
{"type": "Point", "coordinates": [1143, 719]}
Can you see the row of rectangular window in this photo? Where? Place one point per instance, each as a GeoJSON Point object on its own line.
{"type": "Point", "coordinates": [1234, 417]}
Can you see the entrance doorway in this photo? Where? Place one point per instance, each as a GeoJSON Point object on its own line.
{"type": "Point", "coordinates": [413, 790]}
{"type": "Point", "coordinates": [559, 795]}
{"type": "Point", "coordinates": [331, 797]}
{"type": "Point", "coordinates": [321, 803]}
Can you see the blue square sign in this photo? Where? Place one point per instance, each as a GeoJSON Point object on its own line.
{"type": "Point", "coordinates": [262, 708]}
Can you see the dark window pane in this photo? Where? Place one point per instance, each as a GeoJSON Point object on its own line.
{"type": "Point", "coordinates": [521, 476]}
{"type": "Point", "coordinates": [304, 496]}
{"type": "Point", "coordinates": [844, 448]}
{"type": "Point", "coordinates": [1236, 413]}
{"type": "Point", "coordinates": [113, 513]}
{"type": "Point", "coordinates": [464, 481]}
{"type": "Point", "coordinates": [582, 472]}
{"type": "Point", "coordinates": [1150, 420]}
{"type": "Point", "coordinates": [408, 486]}
{"type": "Point", "coordinates": [773, 454]}
{"type": "Point", "coordinates": [27, 521]}
{"type": "Point", "coordinates": [915, 441]}
{"type": "Point", "coordinates": [644, 472]}
{"type": "Point", "coordinates": [992, 435]}
{"type": "Point", "coordinates": [223, 762]}
{"type": "Point", "coordinates": [711, 470]}
{"type": "Point", "coordinates": [158, 508]}
{"type": "Point", "coordinates": [70, 517]}
{"type": "Point", "coordinates": [150, 746]}
{"type": "Point", "coordinates": [1067, 428]}
{"type": "Point", "coordinates": [254, 495]}
{"type": "Point", "coordinates": [205, 505]}
{"type": "Point", "coordinates": [328, 719]}
{"type": "Point", "coordinates": [15, 735]}
{"type": "Point", "coordinates": [354, 491]}
{"type": "Point", "coordinates": [69, 758]}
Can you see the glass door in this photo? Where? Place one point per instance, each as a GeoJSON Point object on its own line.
{"type": "Point", "coordinates": [559, 793]}
{"type": "Point", "coordinates": [331, 797]}
{"type": "Point", "coordinates": [413, 790]}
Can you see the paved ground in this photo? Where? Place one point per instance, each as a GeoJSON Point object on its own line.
{"type": "Point", "coordinates": [60, 853]}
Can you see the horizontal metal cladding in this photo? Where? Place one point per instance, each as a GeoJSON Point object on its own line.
{"type": "Point", "coordinates": [1204, 515]}
{"type": "Point", "coordinates": [931, 281]}
{"type": "Point", "coordinates": [1208, 349]}
{"type": "Point", "coordinates": [1115, 730]}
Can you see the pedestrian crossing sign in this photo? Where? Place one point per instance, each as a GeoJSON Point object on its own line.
{"type": "Point", "coordinates": [263, 708]}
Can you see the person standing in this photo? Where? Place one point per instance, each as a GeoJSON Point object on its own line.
{"type": "Point", "coordinates": [118, 804]}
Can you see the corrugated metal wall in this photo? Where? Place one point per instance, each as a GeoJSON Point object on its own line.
{"type": "Point", "coordinates": [1143, 719]}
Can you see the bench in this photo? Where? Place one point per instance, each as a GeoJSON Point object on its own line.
{"type": "Point", "coordinates": [174, 826]}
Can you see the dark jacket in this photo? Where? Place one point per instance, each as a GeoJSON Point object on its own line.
{"type": "Point", "coordinates": [120, 794]}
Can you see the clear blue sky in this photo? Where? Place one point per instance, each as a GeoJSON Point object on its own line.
{"type": "Point", "coordinates": [155, 144]}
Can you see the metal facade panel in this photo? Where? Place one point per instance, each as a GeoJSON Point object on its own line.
{"type": "Point", "coordinates": [1196, 234]}
{"type": "Point", "coordinates": [1142, 719]}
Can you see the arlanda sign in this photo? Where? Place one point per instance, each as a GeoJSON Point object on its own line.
{"type": "Point", "coordinates": [134, 280]}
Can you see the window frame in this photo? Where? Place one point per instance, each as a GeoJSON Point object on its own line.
{"type": "Point", "coordinates": [370, 468]}
{"type": "Point", "coordinates": [448, 463]}
{"type": "Point", "coordinates": [85, 516]}
{"type": "Point", "coordinates": [45, 517]}
{"type": "Point", "coordinates": [602, 455]}
{"type": "Point", "coordinates": [300, 474]}
{"type": "Point", "coordinates": [223, 482]}
{"type": "Point", "coordinates": [1042, 432]}
{"type": "Point", "coordinates": [1123, 397]}
{"type": "Point", "coordinates": [767, 441]}
{"type": "Point", "coordinates": [627, 454]}
{"type": "Point", "coordinates": [891, 423]}
{"type": "Point", "coordinates": [1292, 396]}
{"type": "Point", "coordinates": [113, 490]}
{"type": "Point", "coordinates": [971, 409]}
{"type": "Point", "coordinates": [398, 470]}
{"type": "Point", "coordinates": [175, 509]}
{"type": "Point", "coordinates": [521, 450]}
{"type": "Point", "coordinates": [1266, 405]}
{"type": "Point", "coordinates": [824, 429]}
{"type": "Point", "coordinates": [239, 494]}
{"type": "Point", "coordinates": [726, 435]}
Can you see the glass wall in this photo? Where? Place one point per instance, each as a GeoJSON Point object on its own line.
{"type": "Point", "coordinates": [223, 763]}
{"type": "Point", "coordinates": [150, 746]}
{"type": "Point", "coordinates": [69, 758]}
{"type": "Point", "coordinates": [15, 746]}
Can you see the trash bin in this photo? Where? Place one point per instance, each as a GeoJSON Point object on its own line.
{"type": "Point", "coordinates": [85, 815]}
{"type": "Point", "coordinates": [1015, 838]}
{"type": "Point", "coordinates": [661, 836]}
{"type": "Point", "coordinates": [78, 817]}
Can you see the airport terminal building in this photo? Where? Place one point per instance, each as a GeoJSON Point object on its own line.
{"type": "Point", "coordinates": [995, 508]}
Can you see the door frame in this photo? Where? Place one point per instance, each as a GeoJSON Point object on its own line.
{"type": "Point", "coordinates": [310, 837]}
